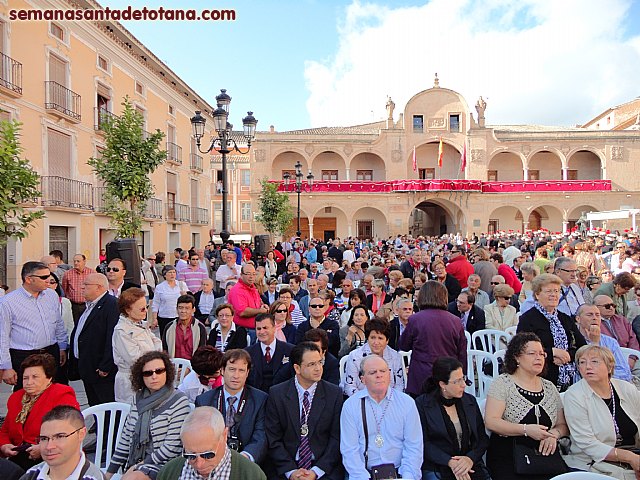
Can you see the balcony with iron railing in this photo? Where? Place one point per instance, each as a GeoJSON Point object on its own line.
{"type": "Point", "coordinates": [98, 200]}
{"type": "Point", "coordinates": [66, 193]}
{"type": "Point", "coordinates": [61, 101]}
{"type": "Point", "coordinates": [102, 115]}
{"type": "Point", "coordinates": [196, 163]}
{"type": "Point", "coordinates": [174, 153]}
{"type": "Point", "coordinates": [178, 212]}
{"type": "Point", "coordinates": [199, 216]}
{"type": "Point", "coordinates": [10, 76]}
{"type": "Point", "coordinates": [154, 209]}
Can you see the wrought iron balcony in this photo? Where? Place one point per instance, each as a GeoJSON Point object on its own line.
{"type": "Point", "coordinates": [10, 75]}
{"type": "Point", "coordinates": [59, 99]}
{"type": "Point", "coordinates": [98, 199]}
{"type": "Point", "coordinates": [196, 163]}
{"type": "Point", "coordinates": [154, 209]}
{"type": "Point", "coordinates": [174, 153]}
{"type": "Point", "coordinates": [102, 115]}
{"type": "Point", "coordinates": [200, 216]}
{"type": "Point", "coordinates": [66, 193]}
{"type": "Point", "coordinates": [178, 212]}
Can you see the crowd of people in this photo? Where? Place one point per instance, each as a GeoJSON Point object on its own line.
{"type": "Point", "coordinates": [331, 360]}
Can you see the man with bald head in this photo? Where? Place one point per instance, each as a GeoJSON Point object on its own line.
{"type": "Point", "coordinates": [91, 350]}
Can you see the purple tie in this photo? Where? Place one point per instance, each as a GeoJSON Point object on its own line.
{"type": "Point", "coordinates": [304, 451]}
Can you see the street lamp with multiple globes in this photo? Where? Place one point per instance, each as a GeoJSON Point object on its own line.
{"type": "Point", "coordinates": [298, 187]}
{"type": "Point", "coordinates": [223, 143]}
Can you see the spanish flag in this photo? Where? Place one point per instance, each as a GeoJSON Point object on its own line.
{"type": "Point", "coordinates": [440, 153]}
{"type": "Point", "coordinates": [415, 160]}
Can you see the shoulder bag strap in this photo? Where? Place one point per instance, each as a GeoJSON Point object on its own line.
{"type": "Point", "coordinates": [366, 432]}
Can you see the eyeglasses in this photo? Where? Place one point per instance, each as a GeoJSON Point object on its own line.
{"type": "Point", "coordinates": [607, 305]}
{"type": "Point", "coordinates": [225, 315]}
{"type": "Point", "coordinates": [191, 457]}
{"type": "Point", "coordinates": [595, 362]}
{"type": "Point", "coordinates": [317, 305]}
{"type": "Point", "coordinates": [569, 271]}
{"type": "Point", "coordinates": [144, 309]}
{"type": "Point", "coordinates": [282, 311]}
{"type": "Point", "coordinates": [194, 258]}
{"type": "Point", "coordinates": [56, 437]}
{"type": "Point", "coordinates": [314, 364]}
{"type": "Point", "coordinates": [41, 277]}
{"type": "Point", "coordinates": [459, 381]}
{"type": "Point", "coordinates": [112, 269]}
{"type": "Point", "coordinates": [157, 371]}
{"type": "Point", "coordinates": [536, 354]}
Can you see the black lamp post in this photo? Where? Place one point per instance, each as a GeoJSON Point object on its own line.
{"type": "Point", "coordinates": [298, 187]}
{"type": "Point", "coordinates": [223, 143]}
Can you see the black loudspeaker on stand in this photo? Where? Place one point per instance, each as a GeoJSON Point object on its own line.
{"type": "Point", "coordinates": [261, 244]}
{"type": "Point", "coordinates": [127, 250]}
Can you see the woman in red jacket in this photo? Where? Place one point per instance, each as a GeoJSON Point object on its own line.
{"type": "Point", "coordinates": [27, 406]}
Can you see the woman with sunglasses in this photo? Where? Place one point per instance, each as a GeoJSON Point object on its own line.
{"type": "Point", "coordinates": [285, 329]}
{"type": "Point", "coordinates": [454, 434]}
{"type": "Point", "coordinates": [151, 434]}
{"type": "Point", "coordinates": [131, 338]}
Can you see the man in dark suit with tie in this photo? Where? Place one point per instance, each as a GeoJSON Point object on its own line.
{"type": "Point", "coordinates": [91, 349]}
{"type": "Point", "coordinates": [269, 357]}
{"type": "Point", "coordinates": [241, 406]}
{"type": "Point", "coordinates": [463, 307]}
{"type": "Point", "coordinates": [302, 421]}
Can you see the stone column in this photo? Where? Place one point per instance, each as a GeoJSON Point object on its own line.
{"type": "Point", "coordinates": [565, 227]}
{"type": "Point", "coordinates": [525, 174]}
{"type": "Point", "coordinates": [349, 230]}
{"type": "Point", "coordinates": [348, 175]}
{"type": "Point", "coordinates": [310, 230]}
{"type": "Point", "coordinates": [565, 173]}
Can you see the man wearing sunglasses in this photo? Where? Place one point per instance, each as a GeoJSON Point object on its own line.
{"type": "Point", "coordinates": [615, 325]}
{"type": "Point", "coordinates": [206, 454]}
{"type": "Point", "coordinates": [61, 435]}
{"type": "Point", "coordinates": [116, 271]}
{"type": "Point", "coordinates": [31, 323]}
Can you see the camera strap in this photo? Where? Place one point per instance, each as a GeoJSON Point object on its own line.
{"type": "Point", "coordinates": [239, 412]}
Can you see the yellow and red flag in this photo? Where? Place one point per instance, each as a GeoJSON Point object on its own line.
{"type": "Point", "coordinates": [440, 153]}
{"type": "Point", "coordinates": [415, 160]}
{"type": "Point", "coordinates": [463, 158]}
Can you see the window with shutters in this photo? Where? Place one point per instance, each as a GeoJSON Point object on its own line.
{"type": "Point", "coordinates": [492, 175]}
{"type": "Point", "coordinates": [142, 112]}
{"type": "Point", "coordinates": [329, 175]}
{"type": "Point", "coordinates": [139, 88]}
{"type": "Point", "coordinates": [245, 178]}
{"type": "Point", "coordinates": [245, 208]}
{"type": "Point", "coordinates": [103, 64]}
{"type": "Point", "coordinates": [172, 110]}
{"type": "Point", "coordinates": [57, 31]}
{"type": "Point", "coordinates": [364, 175]}
{"type": "Point", "coordinates": [58, 153]}
{"type": "Point", "coordinates": [58, 69]}
{"type": "Point", "coordinates": [3, 29]}
{"type": "Point", "coordinates": [172, 192]}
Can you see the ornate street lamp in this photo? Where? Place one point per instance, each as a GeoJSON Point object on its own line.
{"type": "Point", "coordinates": [223, 143]}
{"type": "Point", "coordinates": [298, 186]}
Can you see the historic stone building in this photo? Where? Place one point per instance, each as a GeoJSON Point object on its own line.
{"type": "Point", "coordinates": [514, 177]}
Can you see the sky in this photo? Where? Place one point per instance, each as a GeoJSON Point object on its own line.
{"type": "Point", "coordinates": [312, 63]}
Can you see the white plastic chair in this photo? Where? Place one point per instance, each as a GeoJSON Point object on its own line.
{"type": "Point", "coordinates": [467, 335]}
{"type": "Point", "coordinates": [630, 351]}
{"type": "Point", "coordinates": [491, 340]}
{"type": "Point", "coordinates": [581, 476]}
{"type": "Point", "coordinates": [406, 360]}
{"type": "Point", "coordinates": [475, 372]}
{"type": "Point", "coordinates": [113, 428]}
{"type": "Point", "coordinates": [183, 367]}
{"type": "Point", "coordinates": [343, 368]}
{"type": "Point", "coordinates": [511, 331]}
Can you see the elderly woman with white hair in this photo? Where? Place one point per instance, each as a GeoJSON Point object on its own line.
{"type": "Point", "coordinates": [603, 414]}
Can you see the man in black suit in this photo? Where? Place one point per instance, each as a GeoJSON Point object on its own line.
{"type": "Point", "coordinates": [302, 420]}
{"type": "Point", "coordinates": [91, 349]}
{"type": "Point", "coordinates": [116, 271]}
{"type": "Point", "coordinates": [331, 367]}
{"type": "Point", "coordinates": [241, 406]}
{"type": "Point", "coordinates": [471, 316]}
{"type": "Point", "coordinates": [269, 357]}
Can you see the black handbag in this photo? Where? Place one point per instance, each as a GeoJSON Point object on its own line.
{"type": "Point", "coordinates": [529, 461]}
{"type": "Point", "coordinates": [384, 471]}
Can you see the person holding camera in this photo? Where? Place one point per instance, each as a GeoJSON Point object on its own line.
{"type": "Point", "coordinates": [241, 406]}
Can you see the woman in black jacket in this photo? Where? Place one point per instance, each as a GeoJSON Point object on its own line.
{"type": "Point", "coordinates": [226, 335]}
{"type": "Point", "coordinates": [454, 433]}
{"type": "Point", "coordinates": [558, 333]}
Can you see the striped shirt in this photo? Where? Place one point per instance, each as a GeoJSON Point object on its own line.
{"type": "Point", "coordinates": [193, 278]}
{"type": "Point", "coordinates": [165, 433]}
{"type": "Point", "coordinates": [72, 284]}
{"type": "Point", "coordinates": [30, 323]}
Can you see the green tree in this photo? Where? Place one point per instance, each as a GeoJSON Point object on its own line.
{"type": "Point", "coordinates": [274, 209]}
{"type": "Point", "coordinates": [19, 186]}
{"type": "Point", "coordinates": [125, 167]}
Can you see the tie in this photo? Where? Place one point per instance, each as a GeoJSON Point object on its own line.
{"type": "Point", "coordinates": [304, 451]}
{"type": "Point", "coordinates": [230, 419]}
{"type": "Point", "coordinates": [267, 355]}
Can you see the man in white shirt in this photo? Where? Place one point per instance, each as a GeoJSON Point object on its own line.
{"type": "Point", "coordinates": [228, 272]}
{"type": "Point", "coordinates": [61, 435]}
